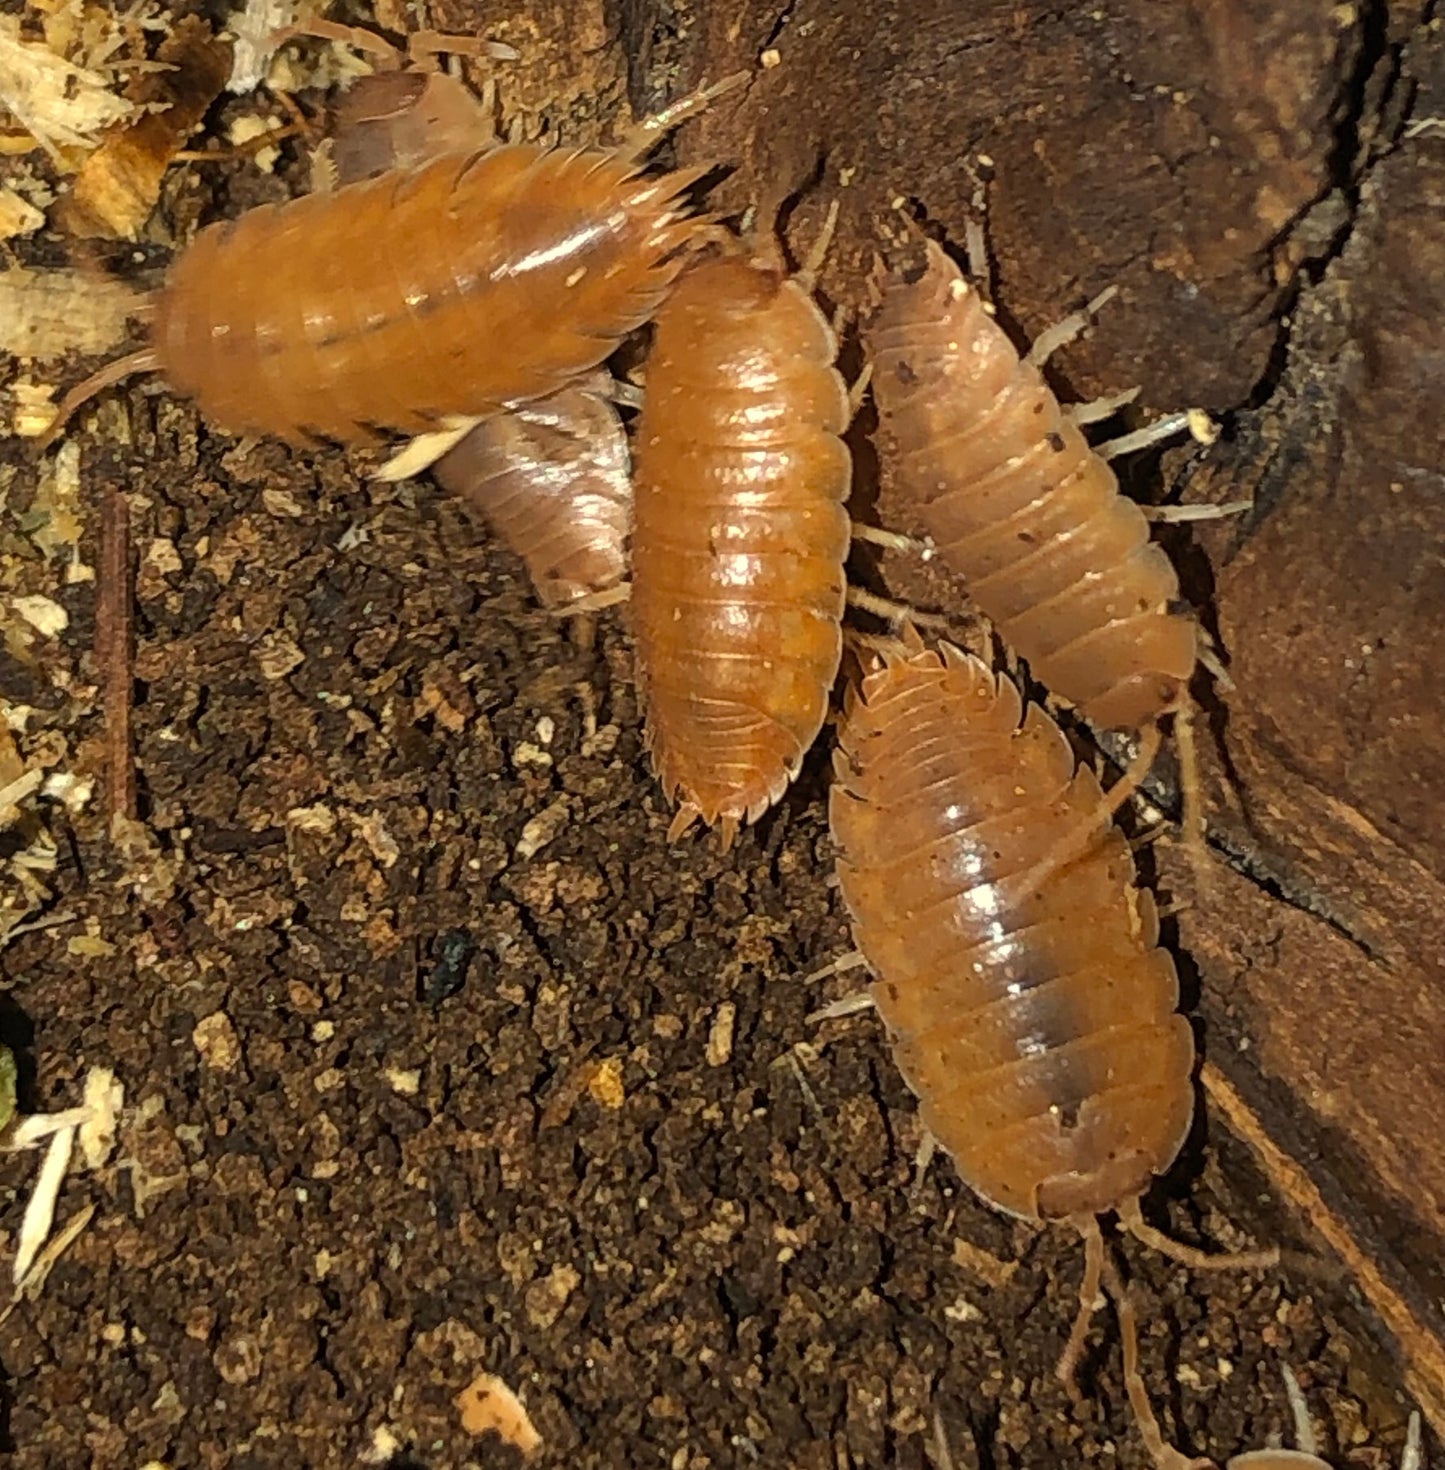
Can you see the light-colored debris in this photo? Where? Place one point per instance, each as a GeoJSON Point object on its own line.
{"type": "Point", "coordinates": [7, 1086]}
{"type": "Point", "coordinates": [216, 1040]}
{"type": "Point", "coordinates": [542, 828]}
{"type": "Point", "coordinates": [720, 1037]}
{"type": "Point", "coordinates": [31, 1130]}
{"type": "Point", "coordinates": [17, 216]}
{"type": "Point", "coordinates": [371, 828]}
{"type": "Point", "coordinates": [253, 26]}
{"type": "Point", "coordinates": [547, 1299]}
{"type": "Point", "coordinates": [319, 818]}
{"type": "Point", "coordinates": [383, 1449]}
{"type": "Point", "coordinates": [56, 519]}
{"type": "Point", "coordinates": [104, 1097]}
{"type": "Point", "coordinates": [43, 614]}
{"type": "Point", "coordinates": [40, 1208]}
{"type": "Point", "coordinates": [405, 1081]}
{"type": "Point", "coordinates": [34, 410]}
{"type": "Point", "coordinates": [35, 1278]}
{"type": "Point", "coordinates": [48, 314]}
{"type": "Point", "coordinates": [984, 1264]}
{"type": "Point", "coordinates": [277, 655]}
{"type": "Point", "coordinates": [486, 1403]}
{"type": "Point", "coordinates": [1202, 428]}
{"type": "Point", "coordinates": [281, 503]}
{"type": "Point", "coordinates": [16, 791]}
{"type": "Point", "coordinates": [605, 1084]}
{"type": "Point", "coordinates": [57, 102]}
{"type": "Point", "coordinates": [161, 558]}
{"type": "Point", "coordinates": [247, 129]}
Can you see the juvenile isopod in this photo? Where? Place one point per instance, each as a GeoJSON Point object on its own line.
{"type": "Point", "coordinates": [739, 537]}
{"type": "Point", "coordinates": [396, 303]}
{"type": "Point", "coordinates": [1016, 502]}
{"type": "Point", "coordinates": [1017, 964]}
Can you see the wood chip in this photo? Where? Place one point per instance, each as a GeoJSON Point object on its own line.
{"type": "Point", "coordinates": [49, 314]}
{"type": "Point", "coordinates": [17, 216]}
{"type": "Point", "coordinates": [605, 1084]}
{"type": "Point", "coordinates": [40, 1208]}
{"type": "Point", "coordinates": [43, 614]}
{"type": "Point", "coordinates": [720, 1037]}
{"type": "Point", "coordinates": [543, 828]}
{"type": "Point", "coordinates": [57, 102]}
{"type": "Point", "coordinates": [35, 1278]}
{"type": "Point", "coordinates": [486, 1403]}
{"type": "Point", "coordinates": [104, 1098]}
{"type": "Point", "coordinates": [118, 185]}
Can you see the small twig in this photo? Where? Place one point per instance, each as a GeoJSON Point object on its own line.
{"type": "Point", "coordinates": [114, 650]}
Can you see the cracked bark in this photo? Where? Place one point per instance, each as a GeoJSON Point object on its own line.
{"type": "Point", "coordinates": [1248, 175]}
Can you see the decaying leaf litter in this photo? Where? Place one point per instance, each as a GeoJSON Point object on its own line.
{"type": "Point", "coordinates": [336, 1207]}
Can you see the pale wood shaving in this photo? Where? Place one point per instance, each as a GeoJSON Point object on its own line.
{"type": "Point", "coordinates": [40, 1208]}
{"type": "Point", "coordinates": [57, 102]}
{"type": "Point", "coordinates": [35, 1278]}
{"type": "Point", "coordinates": [50, 314]}
{"type": "Point", "coordinates": [17, 216]}
{"type": "Point", "coordinates": [104, 1098]}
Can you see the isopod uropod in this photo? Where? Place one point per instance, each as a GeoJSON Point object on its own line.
{"type": "Point", "coordinates": [1018, 504]}
{"type": "Point", "coordinates": [739, 537]}
{"type": "Point", "coordinates": [1017, 964]}
{"type": "Point", "coordinates": [453, 288]}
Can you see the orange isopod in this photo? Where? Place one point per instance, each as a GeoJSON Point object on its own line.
{"type": "Point", "coordinates": [739, 537]}
{"type": "Point", "coordinates": [1017, 502]}
{"type": "Point", "coordinates": [397, 303]}
{"type": "Point", "coordinates": [1017, 964]}
{"type": "Point", "coordinates": [552, 477]}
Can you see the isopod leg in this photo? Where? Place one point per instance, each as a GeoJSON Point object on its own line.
{"type": "Point", "coordinates": [359, 37]}
{"type": "Point", "coordinates": [645, 134]}
{"type": "Point", "coordinates": [1077, 841]}
{"type": "Point", "coordinates": [892, 540]}
{"type": "Point", "coordinates": [423, 450]}
{"type": "Point", "coordinates": [1068, 1364]}
{"type": "Point", "coordinates": [1304, 1429]}
{"type": "Point", "coordinates": [592, 602]}
{"type": "Point", "coordinates": [1413, 1456]}
{"type": "Point", "coordinates": [894, 612]}
{"type": "Point", "coordinates": [853, 960]}
{"type": "Point", "coordinates": [421, 50]}
{"type": "Point", "coordinates": [1169, 427]}
{"type": "Point", "coordinates": [423, 47]}
{"type": "Point", "coordinates": [807, 276]}
{"type": "Point", "coordinates": [859, 389]}
{"type": "Point", "coordinates": [1072, 326]}
{"type": "Point", "coordinates": [1131, 1217]}
{"type": "Point", "coordinates": [842, 1008]}
{"type": "Point", "coordinates": [1164, 1454]}
{"type": "Point", "coordinates": [1099, 408]}
{"type": "Point", "coordinates": [1191, 791]}
{"type": "Point", "coordinates": [1173, 514]}
{"type": "Point", "coordinates": [942, 1455]}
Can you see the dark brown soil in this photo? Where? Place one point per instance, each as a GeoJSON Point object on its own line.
{"type": "Point", "coordinates": [403, 1105]}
